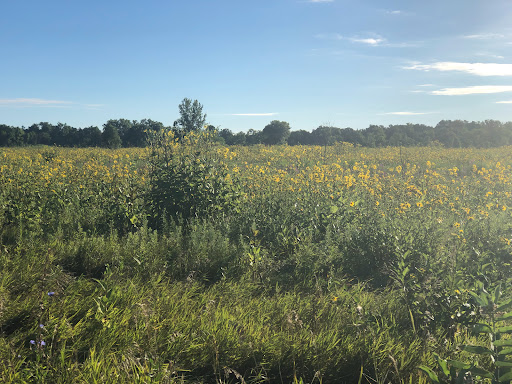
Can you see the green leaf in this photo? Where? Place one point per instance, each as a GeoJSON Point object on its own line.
{"type": "Point", "coordinates": [503, 363]}
{"type": "Point", "coordinates": [481, 328]}
{"type": "Point", "coordinates": [506, 377]}
{"type": "Point", "coordinates": [506, 351]}
{"type": "Point", "coordinates": [503, 343]}
{"type": "Point", "coordinates": [431, 374]}
{"type": "Point", "coordinates": [505, 316]}
{"type": "Point", "coordinates": [334, 209]}
{"type": "Point", "coordinates": [458, 364]}
{"type": "Point", "coordinates": [443, 364]}
{"type": "Point", "coordinates": [497, 293]}
{"type": "Point", "coordinates": [507, 329]}
{"type": "Point", "coordinates": [481, 300]}
{"type": "Point", "coordinates": [481, 372]}
{"type": "Point", "coordinates": [476, 349]}
{"type": "Point", "coordinates": [502, 307]}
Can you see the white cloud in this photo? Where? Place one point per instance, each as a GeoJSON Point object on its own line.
{"type": "Point", "coordinates": [504, 102]}
{"type": "Point", "coordinates": [253, 114]}
{"type": "Point", "coordinates": [373, 41]}
{"type": "Point", "coordinates": [376, 40]}
{"type": "Point", "coordinates": [474, 90]}
{"type": "Point", "coordinates": [484, 36]}
{"type": "Point", "coordinates": [33, 102]}
{"type": "Point", "coordinates": [478, 69]}
{"type": "Point", "coordinates": [426, 85]}
{"type": "Point", "coordinates": [44, 103]}
{"type": "Point", "coordinates": [321, 1]}
{"type": "Point", "coordinates": [396, 12]}
{"type": "Point", "coordinates": [489, 55]}
{"type": "Point", "coordinates": [406, 113]}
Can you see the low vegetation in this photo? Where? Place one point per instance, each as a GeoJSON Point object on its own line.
{"type": "Point", "coordinates": [192, 262]}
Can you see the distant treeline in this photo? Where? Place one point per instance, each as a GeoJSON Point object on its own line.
{"type": "Point", "coordinates": [126, 133]}
{"type": "Point", "coordinates": [115, 134]}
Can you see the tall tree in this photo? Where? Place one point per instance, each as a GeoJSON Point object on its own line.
{"type": "Point", "coordinates": [253, 137]}
{"type": "Point", "coordinates": [375, 136]}
{"type": "Point", "coordinates": [89, 137]}
{"type": "Point", "coordinates": [324, 135]}
{"type": "Point", "coordinates": [191, 116]}
{"type": "Point", "coordinates": [110, 137]}
{"type": "Point", "coordinates": [11, 136]}
{"type": "Point", "coordinates": [123, 128]}
{"type": "Point", "coordinates": [276, 132]}
{"type": "Point", "coordinates": [300, 137]}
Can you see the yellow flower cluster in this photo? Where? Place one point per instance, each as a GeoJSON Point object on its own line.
{"type": "Point", "coordinates": [465, 182]}
{"type": "Point", "coordinates": [469, 184]}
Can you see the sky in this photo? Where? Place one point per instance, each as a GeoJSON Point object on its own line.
{"type": "Point", "coordinates": [343, 63]}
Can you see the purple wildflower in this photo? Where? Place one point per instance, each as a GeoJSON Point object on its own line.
{"type": "Point", "coordinates": [32, 342]}
{"type": "Point", "coordinates": [42, 343]}
{"type": "Point", "coordinates": [51, 293]}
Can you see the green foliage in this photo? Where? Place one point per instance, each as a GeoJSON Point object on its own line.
{"type": "Point", "coordinates": [276, 132]}
{"type": "Point", "coordinates": [191, 116]}
{"type": "Point", "coordinates": [493, 325]}
{"type": "Point", "coordinates": [110, 137]}
{"type": "Point", "coordinates": [187, 183]}
{"type": "Point", "coordinates": [272, 286]}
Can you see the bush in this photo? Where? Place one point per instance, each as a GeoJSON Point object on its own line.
{"type": "Point", "coordinates": [185, 182]}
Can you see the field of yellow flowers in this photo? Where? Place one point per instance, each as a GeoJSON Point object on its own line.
{"type": "Point", "coordinates": [305, 264]}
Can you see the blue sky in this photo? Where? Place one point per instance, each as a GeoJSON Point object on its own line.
{"type": "Point", "coordinates": [346, 63]}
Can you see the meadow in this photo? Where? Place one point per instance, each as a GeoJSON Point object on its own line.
{"type": "Point", "coordinates": [190, 262]}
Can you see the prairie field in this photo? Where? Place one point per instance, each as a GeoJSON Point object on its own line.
{"type": "Point", "coordinates": [190, 262]}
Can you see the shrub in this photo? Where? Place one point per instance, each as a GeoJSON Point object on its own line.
{"type": "Point", "coordinates": [186, 182]}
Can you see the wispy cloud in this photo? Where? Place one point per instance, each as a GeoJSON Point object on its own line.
{"type": "Point", "coordinates": [484, 36]}
{"type": "Point", "coordinates": [34, 102]}
{"type": "Point", "coordinates": [474, 90]}
{"type": "Point", "coordinates": [373, 41]}
{"type": "Point", "coordinates": [406, 113]}
{"type": "Point", "coordinates": [489, 55]}
{"type": "Point", "coordinates": [422, 88]}
{"type": "Point", "coordinates": [396, 12]}
{"type": "Point", "coordinates": [478, 69]}
{"type": "Point", "coordinates": [46, 103]}
{"type": "Point", "coordinates": [253, 114]}
{"type": "Point", "coordinates": [320, 1]}
{"type": "Point", "coordinates": [504, 102]}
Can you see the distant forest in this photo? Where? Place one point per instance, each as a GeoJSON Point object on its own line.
{"type": "Point", "coordinates": [126, 133]}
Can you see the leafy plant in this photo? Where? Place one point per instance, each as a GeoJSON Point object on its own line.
{"type": "Point", "coordinates": [494, 326]}
{"type": "Point", "coordinates": [185, 182]}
